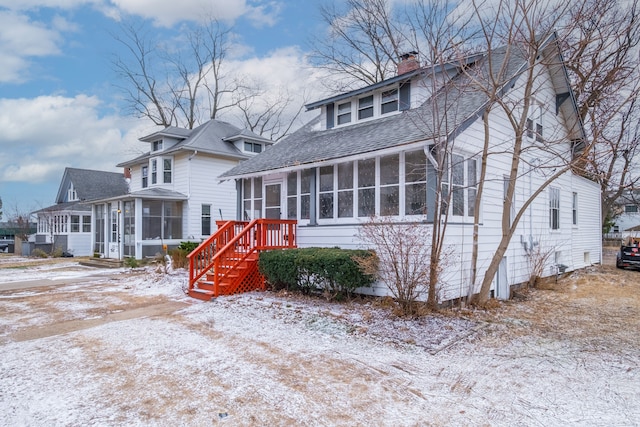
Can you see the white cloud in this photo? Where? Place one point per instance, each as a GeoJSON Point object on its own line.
{"type": "Point", "coordinates": [36, 4]}
{"type": "Point", "coordinates": [42, 136]}
{"type": "Point", "coordinates": [167, 13]}
{"type": "Point", "coordinates": [20, 39]}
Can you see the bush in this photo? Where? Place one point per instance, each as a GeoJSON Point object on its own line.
{"type": "Point", "coordinates": [179, 257]}
{"type": "Point", "coordinates": [131, 262]}
{"type": "Point", "coordinates": [57, 253]}
{"type": "Point", "coordinates": [39, 253]}
{"type": "Point", "coordinates": [188, 247]}
{"type": "Point", "coordinates": [333, 271]}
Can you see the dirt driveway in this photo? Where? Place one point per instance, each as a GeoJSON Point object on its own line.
{"type": "Point", "coordinates": [130, 349]}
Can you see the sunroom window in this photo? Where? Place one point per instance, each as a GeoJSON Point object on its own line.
{"type": "Point", "coordinates": [415, 172]}
{"type": "Point", "coordinates": [366, 187]}
{"type": "Point", "coordinates": [345, 190]}
{"type": "Point", "coordinates": [326, 192]}
{"type": "Point", "coordinates": [389, 185]}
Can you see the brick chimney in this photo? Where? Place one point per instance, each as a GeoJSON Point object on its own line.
{"type": "Point", "coordinates": [408, 62]}
{"type": "Point", "coordinates": [127, 173]}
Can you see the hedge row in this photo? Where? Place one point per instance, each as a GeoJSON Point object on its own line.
{"type": "Point", "coordinates": [332, 270]}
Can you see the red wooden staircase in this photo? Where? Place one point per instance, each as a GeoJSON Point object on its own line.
{"type": "Point", "coordinates": [227, 262]}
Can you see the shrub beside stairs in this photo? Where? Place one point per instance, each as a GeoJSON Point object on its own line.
{"type": "Point", "coordinates": [227, 262]}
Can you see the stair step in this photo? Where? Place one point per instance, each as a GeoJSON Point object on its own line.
{"type": "Point", "coordinates": [201, 294]}
{"type": "Point", "coordinates": [209, 285]}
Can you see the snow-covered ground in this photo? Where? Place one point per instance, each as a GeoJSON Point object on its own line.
{"type": "Point", "coordinates": [133, 350]}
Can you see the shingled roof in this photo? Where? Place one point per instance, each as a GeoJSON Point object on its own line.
{"type": "Point", "coordinates": [213, 137]}
{"type": "Point", "coordinates": [89, 185]}
{"type": "Point", "coordinates": [447, 113]}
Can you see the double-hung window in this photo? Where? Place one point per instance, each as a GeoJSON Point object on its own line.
{"type": "Point", "coordinates": [554, 208]}
{"type": "Point", "coordinates": [145, 176]}
{"type": "Point", "coordinates": [389, 101]}
{"type": "Point", "coordinates": [458, 186]}
{"type": "Point", "coordinates": [206, 220]}
{"type": "Point", "coordinates": [344, 113]}
{"type": "Point", "coordinates": [166, 170]}
{"type": "Point", "coordinates": [154, 171]}
{"type": "Point", "coordinates": [86, 223]}
{"type": "Point", "coordinates": [365, 107]}
{"type": "Point", "coordinates": [75, 223]}
{"type": "Point", "coordinates": [574, 210]}
{"type": "Point", "coordinates": [252, 198]}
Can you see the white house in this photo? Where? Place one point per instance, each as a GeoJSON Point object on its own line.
{"type": "Point", "coordinates": [172, 197]}
{"type": "Point", "coordinates": [67, 224]}
{"type": "Point", "coordinates": [371, 152]}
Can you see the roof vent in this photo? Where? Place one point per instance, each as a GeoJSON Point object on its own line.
{"type": "Point", "coordinates": [408, 62]}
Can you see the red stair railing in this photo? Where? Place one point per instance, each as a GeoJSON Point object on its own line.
{"type": "Point", "coordinates": [234, 242]}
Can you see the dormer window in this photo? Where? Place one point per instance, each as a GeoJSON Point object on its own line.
{"type": "Point", "coordinates": [252, 147]}
{"type": "Point", "coordinates": [389, 101]}
{"type": "Point", "coordinates": [72, 196]}
{"type": "Point", "coordinates": [344, 113]}
{"type": "Point", "coordinates": [365, 107]}
{"type": "Point", "coordinates": [157, 145]}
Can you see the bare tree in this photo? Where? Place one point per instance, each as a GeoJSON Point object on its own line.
{"type": "Point", "coordinates": [267, 114]}
{"type": "Point", "coordinates": [184, 82]}
{"type": "Point", "coordinates": [439, 37]}
{"type": "Point", "coordinates": [602, 43]}
{"type": "Point", "coordinates": [363, 44]}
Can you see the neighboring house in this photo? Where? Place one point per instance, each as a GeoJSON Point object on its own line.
{"type": "Point", "coordinates": [627, 223]}
{"type": "Point", "coordinates": [371, 152]}
{"type": "Point", "coordinates": [67, 224]}
{"type": "Point", "coordinates": [12, 234]}
{"type": "Point", "coordinates": [172, 196]}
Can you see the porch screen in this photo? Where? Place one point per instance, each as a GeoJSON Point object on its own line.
{"type": "Point", "coordinates": [99, 235]}
{"type": "Point", "coordinates": [161, 220]}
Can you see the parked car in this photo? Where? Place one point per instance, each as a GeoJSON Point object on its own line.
{"type": "Point", "coordinates": [629, 254]}
{"type": "Point", "coordinates": [4, 244]}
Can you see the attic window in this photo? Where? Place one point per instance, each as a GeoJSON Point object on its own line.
{"type": "Point", "coordinates": [365, 107]}
{"type": "Point", "coordinates": [72, 195]}
{"type": "Point", "coordinates": [389, 101]}
{"type": "Point", "coordinates": [157, 145]}
{"type": "Point", "coordinates": [344, 113]}
{"type": "Point", "coordinates": [252, 147]}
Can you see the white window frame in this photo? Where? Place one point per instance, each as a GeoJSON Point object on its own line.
{"type": "Point", "coordinates": [165, 170]}
{"type": "Point", "coordinates": [72, 195]}
{"type": "Point", "coordinates": [393, 96]}
{"type": "Point", "coordinates": [343, 114]}
{"type": "Point", "coordinates": [554, 208]}
{"type": "Point", "coordinates": [574, 210]}
{"type": "Point", "coordinates": [366, 107]}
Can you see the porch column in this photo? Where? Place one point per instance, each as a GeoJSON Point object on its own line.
{"type": "Point", "coordinates": [239, 207]}
{"type": "Point", "coordinates": [313, 209]}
